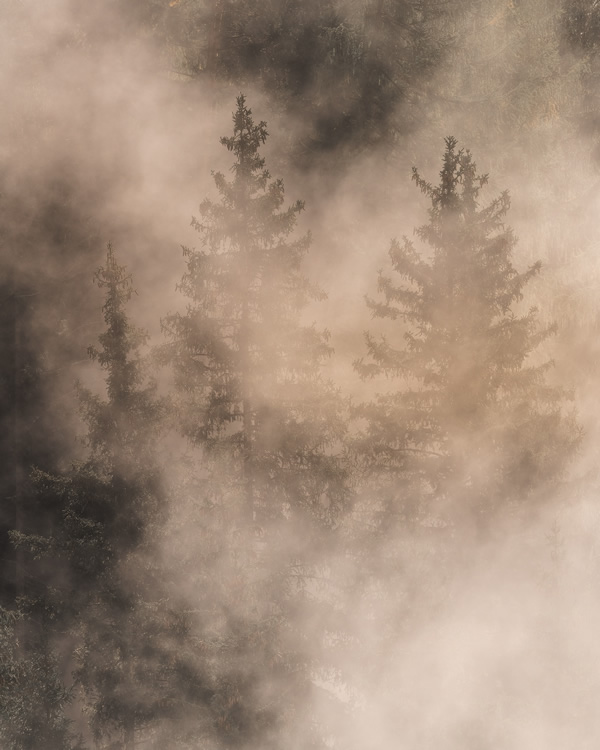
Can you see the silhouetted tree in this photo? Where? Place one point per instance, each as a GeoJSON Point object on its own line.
{"type": "Point", "coordinates": [128, 638]}
{"type": "Point", "coordinates": [248, 370]}
{"type": "Point", "coordinates": [471, 425]}
{"type": "Point", "coordinates": [253, 397]}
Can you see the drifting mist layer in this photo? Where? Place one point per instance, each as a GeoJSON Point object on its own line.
{"type": "Point", "coordinates": [461, 643]}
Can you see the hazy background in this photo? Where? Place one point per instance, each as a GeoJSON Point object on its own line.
{"type": "Point", "coordinates": [109, 129]}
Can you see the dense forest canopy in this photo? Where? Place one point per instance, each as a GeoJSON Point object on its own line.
{"type": "Point", "coordinates": [298, 392]}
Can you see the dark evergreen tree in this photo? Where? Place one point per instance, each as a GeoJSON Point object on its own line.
{"type": "Point", "coordinates": [472, 425]}
{"type": "Point", "coordinates": [253, 397]}
{"type": "Point", "coordinates": [128, 638]}
{"type": "Point", "coordinates": [249, 372]}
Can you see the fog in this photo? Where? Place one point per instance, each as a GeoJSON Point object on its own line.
{"type": "Point", "coordinates": [280, 590]}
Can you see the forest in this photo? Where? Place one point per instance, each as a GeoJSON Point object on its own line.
{"type": "Point", "coordinates": [299, 397]}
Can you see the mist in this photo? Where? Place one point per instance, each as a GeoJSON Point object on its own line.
{"type": "Point", "coordinates": [302, 475]}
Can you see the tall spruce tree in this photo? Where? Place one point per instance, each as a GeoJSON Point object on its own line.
{"type": "Point", "coordinates": [127, 637]}
{"type": "Point", "coordinates": [117, 499]}
{"type": "Point", "coordinates": [472, 425]}
{"type": "Point", "coordinates": [253, 397]}
{"type": "Point", "coordinates": [249, 372]}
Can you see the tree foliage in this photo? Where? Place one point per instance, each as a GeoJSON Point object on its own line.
{"type": "Point", "coordinates": [249, 372]}
{"type": "Point", "coordinates": [33, 697]}
{"type": "Point", "coordinates": [254, 399]}
{"type": "Point", "coordinates": [473, 423]}
{"type": "Point", "coordinates": [127, 636]}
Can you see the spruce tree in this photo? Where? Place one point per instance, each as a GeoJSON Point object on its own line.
{"type": "Point", "coordinates": [472, 425]}
{"type": "Point", "coordinates": [117, 499]}
{"type": "Point", "coordinates": [249, 372]}
{"type": "Point", "coordinates": [127, 636]}
{"type": "Point", "coordinates": [254, 399]}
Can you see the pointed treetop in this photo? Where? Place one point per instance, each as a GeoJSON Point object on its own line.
{"type": "Point", "coordinates": [114, 277]}
{"type": "Point", "coordinates": [458, 169]}
{"type": "Point", "coordinates": [120, 340]}
{"type": "Point", "coordinates": [246, 140]}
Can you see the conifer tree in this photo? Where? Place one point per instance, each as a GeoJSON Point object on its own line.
{"type": "Point", "coordinates": [248, 370]}
{"type": "Point", "coordinates": [117, 502]}
{"type": "Point", "coordinates": [472, 424]}
{"type": "Point", "coordinates": [128, 638]}
{"type": "Point", "coordinates": [253, 397]}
